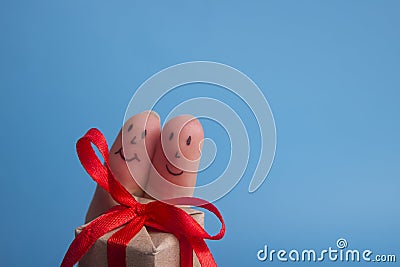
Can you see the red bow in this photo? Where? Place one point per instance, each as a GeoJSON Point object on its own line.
{"type": "Point", "coordinates": [133, 215]}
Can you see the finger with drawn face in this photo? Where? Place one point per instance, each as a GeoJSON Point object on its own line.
{"type": "Point", "coordinates": [176, 159]}
{"type": "Point", "coordinates": [129, 159]}
{"type": "Point", "coordinates": [130, 155]}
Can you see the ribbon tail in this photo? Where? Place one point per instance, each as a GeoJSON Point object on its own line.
{"type": "Point", "coordinates": [176, 221]}
{"type": "Point", "coordinates": [96, 229]}
{"type": "Point", "coordinates": [186, 252]}
{"type": "Point", "coordinates": [202, 252]}
{"type": "Point", "coordinates": [118, 242]}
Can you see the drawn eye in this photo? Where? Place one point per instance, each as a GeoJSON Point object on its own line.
{"type": "Point", "coordinates": [130, 127]}
{"type": "Point", "coordinates": [171, 136]}
{"type": "Point", "coordinates": [189, 140]}
{"type": "Point", "coordinates": [144, 133]}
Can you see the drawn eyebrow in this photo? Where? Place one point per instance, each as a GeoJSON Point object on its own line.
{"type": "Point", "coordinates": [130, 127]}
{"type": "Point", "coordinates": [171, 135]}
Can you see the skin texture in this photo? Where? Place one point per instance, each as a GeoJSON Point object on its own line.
{"type": "Point", "coordinates": [133, 159]}
{"type": "Point", "coordinates": [176, 159]}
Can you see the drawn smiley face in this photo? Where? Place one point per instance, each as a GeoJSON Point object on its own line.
{"type": "Point", "coordinates": [188, 142]}
{"type": "Point", "coordinates": [176, 159]}
{"type": "Point", "coordinates": [130, 155]}
{"type": "Point", "coordinates": [181, 141]}
{"type": "Point", "coordinates": [133, 141]}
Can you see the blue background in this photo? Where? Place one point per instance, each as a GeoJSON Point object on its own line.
{"type": "Point", "coordinates": [329, 69]}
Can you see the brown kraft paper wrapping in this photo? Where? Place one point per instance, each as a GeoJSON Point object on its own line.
{"type": "Point", "coordinates": [148, 248]}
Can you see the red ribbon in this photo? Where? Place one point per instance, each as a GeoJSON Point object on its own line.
{"type": "Point", "coordinates": [132, 215]}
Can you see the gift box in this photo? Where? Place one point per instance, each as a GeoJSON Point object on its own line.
{"type": "Point", "coordinates": [138, 232]}
{"type": "Point", "coordinates": [148, 248]}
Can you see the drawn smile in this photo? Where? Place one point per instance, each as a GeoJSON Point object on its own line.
{"type": "Point", "coordinates": [121, 153]}
{"type": "Point", "coordinates": [173, 173]}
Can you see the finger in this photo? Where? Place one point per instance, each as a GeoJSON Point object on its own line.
{"type": "Point", "coordinates": [176, 159]}
{"type": "Point", "coordinates": [129, 159]}
{"type": "Point", "coordinates": [130, 155]}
